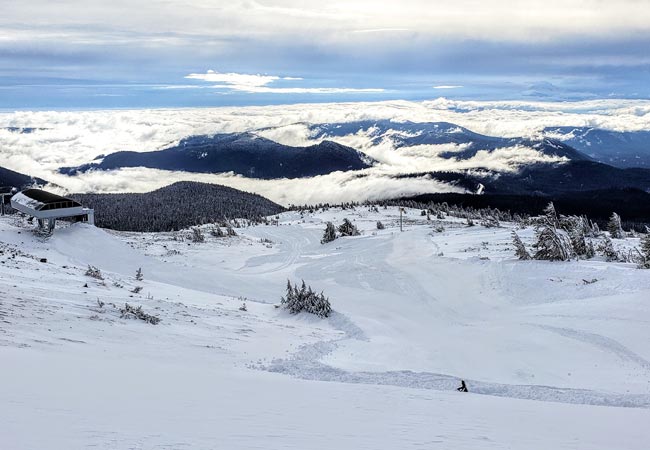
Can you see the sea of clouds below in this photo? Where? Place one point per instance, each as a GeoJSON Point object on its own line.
{"type": "Point", "coordinates": [69, 138]}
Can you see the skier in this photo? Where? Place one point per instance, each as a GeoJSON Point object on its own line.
{"type": "Point", "coordinates": [463, 386]}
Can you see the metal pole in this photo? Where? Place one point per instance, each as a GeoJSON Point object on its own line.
{"type": "Point", "coordinates": [401, 210]}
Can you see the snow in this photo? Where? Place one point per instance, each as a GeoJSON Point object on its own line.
{"type": "Point", "coordinates": [551, 361]}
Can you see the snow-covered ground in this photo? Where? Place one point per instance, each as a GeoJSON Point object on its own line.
{"type": "Point", "coordinates": [556, 355]}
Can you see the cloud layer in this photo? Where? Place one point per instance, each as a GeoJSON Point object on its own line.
{"type": "Point", "coordinates": [73, 138]}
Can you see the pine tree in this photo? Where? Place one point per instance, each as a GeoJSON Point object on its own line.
{"type": "Point", "coordinates": [520, 248]}
{"type": "Point", "coordinates": [138, 274]}
{"type": "Point", "coordinates": [577, 236]}
{"type": "Point", "coordinates": [305, 299]}
{"type": "Point", "coordinates": [347, 228]}
{"type": "Point", "coordinates": [552, 244]}
{"type": "Point", "coordinates": [645, 251]}
{"type": "Point", "coordinates": [197, 235]}
{"type": "Point", "coordinates": [380, 226]}
{"type": "Point", "coordinates": [550, 215]}
{"type": "Point", "coordinates": [217, 232]}
{"type": "Point", "coordinates": [607, 250]}
{"type": "Point", "coordinates": [330, 233]}
{"type": "Point", "coordinates": [614, 227]}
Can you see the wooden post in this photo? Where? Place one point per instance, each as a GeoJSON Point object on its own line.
{"type": "Point", "coordinates": [401, 210]}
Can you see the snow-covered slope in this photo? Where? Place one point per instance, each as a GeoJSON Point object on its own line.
{"type": "Point", "coordinates": [552, 358]}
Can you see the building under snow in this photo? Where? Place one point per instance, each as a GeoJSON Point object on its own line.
{"type": "Point", "coordinates": [46, 206]}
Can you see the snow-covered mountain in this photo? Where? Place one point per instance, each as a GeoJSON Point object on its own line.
{"type": "Point", "coordinates": [560, 346]}
{"type": "Point", "coordinates": [242, 153]}
{"type": "Point", "coordinates": [407, 134]}
{"type": "Point", "coordinates": [617, 148]}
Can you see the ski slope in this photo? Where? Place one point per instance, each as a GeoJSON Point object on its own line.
{"type": "Point", "coordinates": [551, 361]}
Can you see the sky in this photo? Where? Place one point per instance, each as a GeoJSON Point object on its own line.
{"type": "Point", "coordinates": [94, 54]}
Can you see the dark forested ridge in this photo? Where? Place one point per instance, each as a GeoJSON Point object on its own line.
{"type": "Point", "coordinates": [242, 153]}
{"type": "Point", "coordinates": [17, 180]}
{"type": "Point", "coordinates": [632, 204]}
{"type": "Point", "coordinates": [175, 207]}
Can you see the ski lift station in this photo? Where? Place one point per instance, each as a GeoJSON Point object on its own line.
{"type": "Point", "coordinates": [6, 192]}
{"type": "Point", "coordinates": [48, 207]}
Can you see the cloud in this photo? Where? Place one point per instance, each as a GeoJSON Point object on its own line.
{"type": "Point", "coordinates": [448, 86]}
{"type": "Point", "coordinates": [70, 138]}
{"type": "Point", "coordinates": [259, 84]}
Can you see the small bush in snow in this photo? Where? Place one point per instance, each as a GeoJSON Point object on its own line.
{"type": "Point", "coordinates": [131, 312]}
{"type": "Point", "coordinates": [347, 228]}
{"type": "Point", "coordinates": [138, 274]}
{"type": "Point", "coordinates": [490, 222]}
{"type": "Point", "coordinates": [197, 235]}
{"type": "Point", "coordinates": [470, 222]}
{"type": "Point", "coordinates": [329, 234]}
{"type": "Point", "coordinates": [380, 226]}
{"type": "Point", "coordinates": [217, 232]}
{"type": "Point", "coordinates": [94, 272]}
{"type": "Point", "coordinates": [136, 290]}
{"type": "Point", "coordinates": [305, 299]}
{"type": "Point", "coordinates": [230, 231]}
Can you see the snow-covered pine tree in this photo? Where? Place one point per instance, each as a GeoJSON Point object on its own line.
{"type": "Point", "coordinates": [614, 227]}
{"type": "Point", "coordinates": [230, 231]}
{"type": "Point", "coordinates": [607, 249]}
{"type": "Point", "coordinates": [645, 250]}
{"type": "Point", "coordinates": [197, 235]}
{"type": "Point", "coordinates": [138, 274]}
{"type": "Point", "coordinates": [577, 236]}
{"type": "Point", "coordinates": [380, 226]}
{"type": "Point", "coordinates": [217, 232]}
{"type": "Point", "coordinates": [490, 222]}
{"type": "Point", "coordinates": [347, 228]}
{"type": "Point", "coordinates": [550, 215]}
{"type": "Point", "coordinates": [552, 244]}
{"type": "Point", "coordinates": [520, 248]}
{"type": "Point", "coordinates": [290, 299]}
{"type": "Point", "coordinates": [330, 233]}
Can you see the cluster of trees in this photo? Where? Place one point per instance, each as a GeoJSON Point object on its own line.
{"type": "Point", "coordinates": [305, 299]}
{"type": "Point", "coordinates": [178, 206]}
{"type": "Point", "coordinates": [347, 228]}
{"type": "Point", "coordinates": [560, 238]}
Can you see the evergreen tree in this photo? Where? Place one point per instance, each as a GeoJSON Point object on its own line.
{"type": "Point", "coordinates": [607, 250]}
{"type": "Point", "coordinates": [330, 233]}
{"type": "Point", "coordinates": [197, 235]}
{"type": "Point", "coordinates": [552, 244]}
{"type": "Point", "coordinates": [577, 236]}
{"type": "Point", "coordinates": [614, 227]}
{"type": "Point", "coordinates": [520, 248]}
{"type": "Point", "coordinates": [645, 251]}
{"type": "Point", "coordinates": [380, 226]}
{"type": "Point", "coordinates": [305, 299]}
{"type": "Point", "coordinates": [347, 228]}
{"type": "Point", "coordinates": [138, 274]}
{"type": "Point", "coordinates": [550, 215]}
